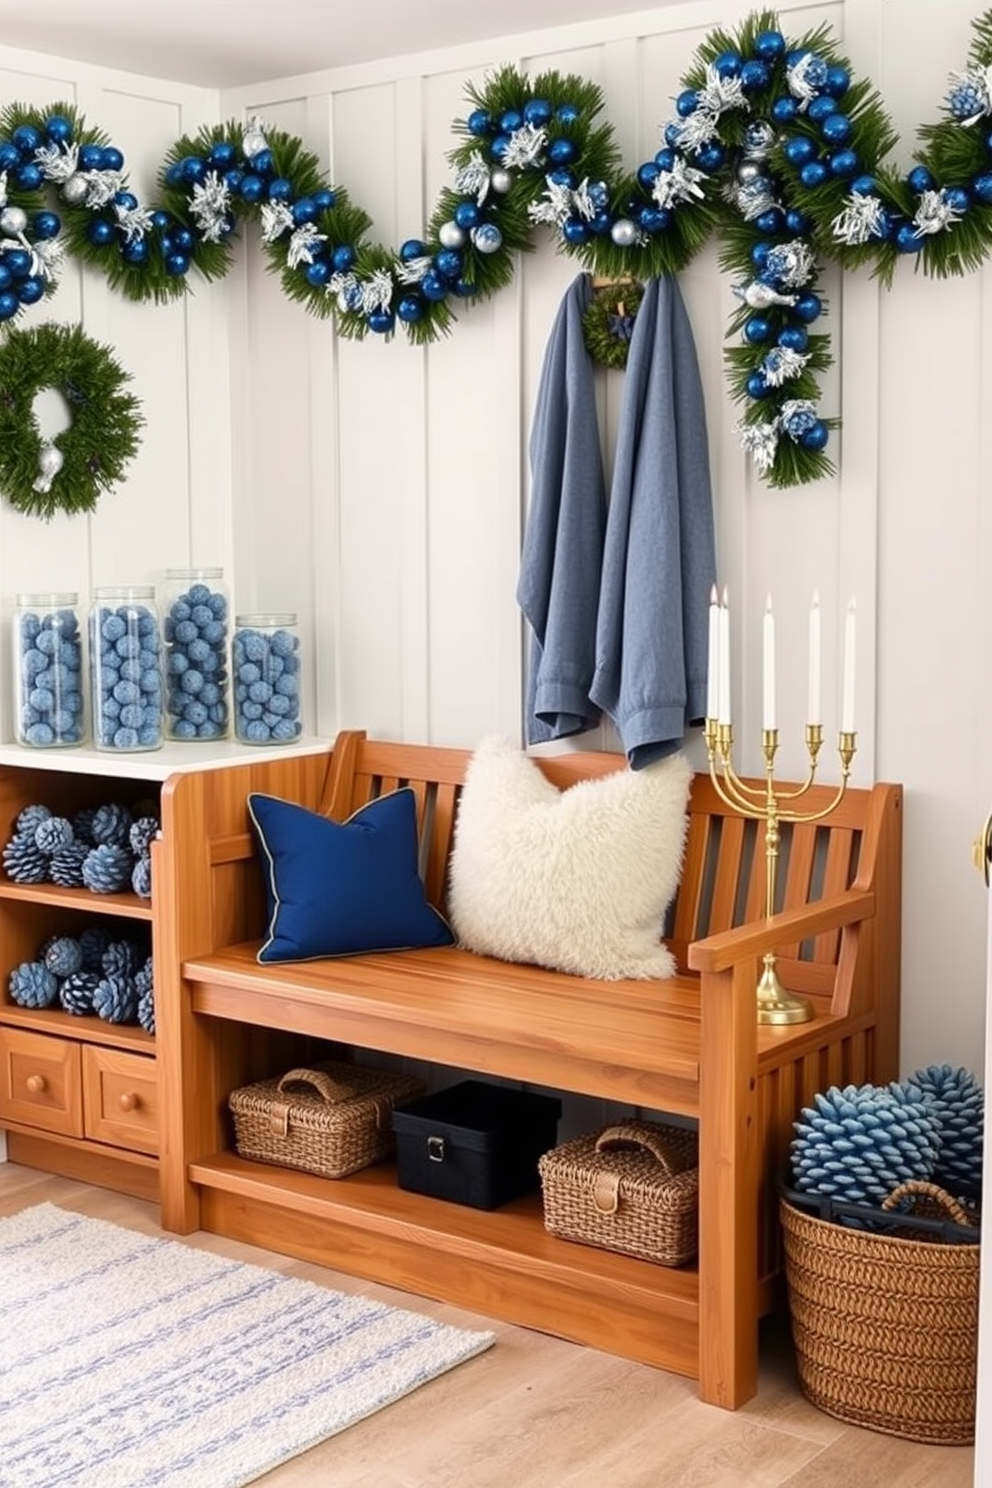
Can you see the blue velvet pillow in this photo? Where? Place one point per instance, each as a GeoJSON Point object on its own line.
{"type": "Point", "coordinates": [343, 888]}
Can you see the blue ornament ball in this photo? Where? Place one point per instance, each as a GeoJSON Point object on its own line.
{"type": "Point", "coordinates": [836, 129]}
{"type": "Point", "coordinates": [815, 437]}
{"type": "Point", "coordinates": [920, 179]}
{"type": "Point", "coordinates": [808, 307]}
{"type": "Point", "coordinates": [799, 149]}
{"type": "Point", "coordinates": [794, 338]}
{"type": "Point", "coordinates": [814, 173]}
{"type": "Point", "coordinates": [769, 45]}
{"type": "Point", "coordinates": [784, 110]}
{"type": "Point", "coordinates": [757, 329]}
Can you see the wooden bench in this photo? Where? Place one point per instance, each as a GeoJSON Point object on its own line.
{"type": "Point", "coordinates": [690, 1046]}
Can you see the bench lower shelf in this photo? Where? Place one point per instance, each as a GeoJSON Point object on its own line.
{"type": "Point", "coordinates": [502, 1263]}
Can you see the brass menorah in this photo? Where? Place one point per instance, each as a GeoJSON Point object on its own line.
{"type": "Point", "coordinates": [771, 802]}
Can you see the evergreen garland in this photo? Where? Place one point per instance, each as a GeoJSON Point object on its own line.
{"type": "Point", "coordinates": [774, 145]}
{"type": "Point", "coordinates": [71, 472]}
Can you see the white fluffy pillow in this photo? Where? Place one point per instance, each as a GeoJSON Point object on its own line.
{"type": "Point", "coordinates": [577, 880]}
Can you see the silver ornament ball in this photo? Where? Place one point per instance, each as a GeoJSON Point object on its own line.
{"type": "Point", "coordinates": [748, 170]}
{"type": "Point", "coordinates": [501, 181]}
{"type": "Point", "coordinates": [74, 190]}
{"type": "Point", "coordinates": [451, 235]}
{"type": "Point", "coordinates": [624, 233]}
{"type": "Point", "coordinates": [13, 220]}
{"type": "Point", "coordinates": [487, 238]}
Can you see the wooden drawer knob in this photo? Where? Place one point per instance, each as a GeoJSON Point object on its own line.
{"type": "Point", "coordinates": [35, 1084]}
{"type": "Point", "coordinates": [128, 1101]}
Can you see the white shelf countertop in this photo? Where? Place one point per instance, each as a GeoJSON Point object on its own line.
{"type": "Point", "coordinates": [155, 764]}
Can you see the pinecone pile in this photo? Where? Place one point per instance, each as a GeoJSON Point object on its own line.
{"type": "Point", "coordinates": [106, 850]}
{"type": "Point", "coordinates": [959, 1102]}
{"type": "Point", "coordinates": [859, 1143]}
{"type": "Point", "coordinates": [94, 973]}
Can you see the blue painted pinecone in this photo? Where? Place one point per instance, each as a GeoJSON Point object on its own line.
{"type": "Point", "coordinates": [33, 985]}
{"type": "Point", "coordinates": [123, 958]}
{"type": "Point", "coordinates": [23, 861]}
{"type": "Point", "coordinates": [63, 956]}
{"type": "Point", "coordinates": [65, 868]}
{"type": "Point", "coordinates": [145, 983]}
{"type": "Point", "coordinates": [115, 999]}
{"type": "Point", "coordinates": [30, 819]}
{"type": "Point", "coordinates": [53, 834]}
{"type": "Point", "coordinates": [142, 834]}
{"type": "Point", "coordinates": [107, 869]}
{"type": "Point", "coordinates": [959, 1103]}
{"type": "Point", "coordinates": [76, 992]}
{"type": "Point", "coordinates": [859, 1143]}
{"type": "Point", "coordinates": [141, 877]}
{"type": "Point", "coordinates": [82, 825]}
{"type": "Point", "coordinates": [111, 825]}
{"type": "Point", "coordinates": [93, 942]}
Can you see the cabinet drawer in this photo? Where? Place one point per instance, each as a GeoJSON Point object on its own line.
{"type": "Point", "coordinates": [40, 1082]}
{"type": "Point", "coordinates": [120, 1098]}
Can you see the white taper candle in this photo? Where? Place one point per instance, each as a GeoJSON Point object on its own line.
{"type": "Point", "coordinates": [814, 706]}
{"type": "Point", "coordinates": [847, 708]}
{"type": "Point", "coordinates": [768, 714]}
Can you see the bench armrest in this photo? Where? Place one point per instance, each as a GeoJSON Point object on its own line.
{"type": "Point", "coordinates": [721, 951]}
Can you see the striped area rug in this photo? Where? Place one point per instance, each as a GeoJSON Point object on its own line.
{"type": "Point", "coordinates": [135, 1362]}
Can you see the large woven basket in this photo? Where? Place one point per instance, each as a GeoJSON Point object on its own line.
{"type": "Point", "coordinates": [331, 1119]}
{"type": "Point", "coordinates": [885, 1325]}
{"type": "Point", "coordinates": [632, 1188]}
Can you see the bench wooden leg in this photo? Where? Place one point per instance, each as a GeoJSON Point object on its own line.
{"type": "Point", "coordinates": [728, 1188]}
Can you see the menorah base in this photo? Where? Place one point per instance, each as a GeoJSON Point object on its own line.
{"type": "Point", "coordinates": [775, 1004]}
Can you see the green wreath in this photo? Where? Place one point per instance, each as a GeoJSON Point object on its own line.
{"type": "Point", "coordinates": [68, 473]}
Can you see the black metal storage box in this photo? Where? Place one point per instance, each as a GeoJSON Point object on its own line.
{"type": "Point", "coordinates": [474, 1143]}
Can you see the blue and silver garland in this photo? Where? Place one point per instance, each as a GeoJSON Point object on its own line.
{"type": "Point", "coordinates": [772, 144]}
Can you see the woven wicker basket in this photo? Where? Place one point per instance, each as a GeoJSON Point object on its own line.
{"type": "Point", "coordinates": [885, 1325]}
{"type": "Point", "coordinates": [632, 1188]}
{"type": "Point", "coordinates": [331, 1120]}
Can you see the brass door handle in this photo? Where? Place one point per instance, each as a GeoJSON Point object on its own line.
{"type": "Point", "coordinates": [981, 848]}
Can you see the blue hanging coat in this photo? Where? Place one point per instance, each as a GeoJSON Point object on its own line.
{"type": "Point", "coordinates": [659, 562]}
{"type": "Point", "coordinates": [558, 587]}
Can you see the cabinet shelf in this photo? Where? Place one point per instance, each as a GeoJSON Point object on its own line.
{"type": "Point", "coordinates": [129, 906]}
{"type": "Point", "coordinates": [83, 1030]}
{"type": "Point", "coordinates": [502, 1262]}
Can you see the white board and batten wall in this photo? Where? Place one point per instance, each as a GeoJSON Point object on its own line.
{"type": "Point", "coordinates": [380, 490]}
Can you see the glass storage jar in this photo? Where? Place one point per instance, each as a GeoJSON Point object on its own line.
{"type": "Point", "coordinates": [126, 668]}
{"type": "Point", "coordinates": [266, 679]}
{"type": "Point", "coordinates": [48, 671]}
{"type": "Point", "coordinates": [195, 629]}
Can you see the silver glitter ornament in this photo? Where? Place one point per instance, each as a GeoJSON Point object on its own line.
{"type": "Point", "coordinates": [13, 220]}
{"type": "Point", "coordinates": [50, 462]}
{"type": "Point", "coordinates": [74, 190]}
{"type": "Point", "coordinates": [451, 235]}
{"type": "Point", "coordinates": [624, 233]}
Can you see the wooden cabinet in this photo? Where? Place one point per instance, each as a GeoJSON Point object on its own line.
{"type": "Point", "coordinates": [79, 1096]}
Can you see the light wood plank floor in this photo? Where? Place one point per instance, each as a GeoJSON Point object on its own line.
{"type": "Point", "coordinates": [535, 1412]}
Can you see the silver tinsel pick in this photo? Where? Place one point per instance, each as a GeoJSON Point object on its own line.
{"type": "Point", "coordinates": [805, 79]}
{"type": "Point", "coordinates": [862, 218]}
{"type": "Point", "coordinates": [797, 417]}
{"type": "Point", "coordinates": [679, 184]}
{"type": "Point", "coordinates": [753, 197]}
{"type": "Point", "coordinates": [134, 222]}
{"type": "Point", "coordinates": [759, 295]}
{"type": "Point", "coordinates": [792, 264]}
{"type": "Point", "coordinates": [721, 93]}
{"type": "Point", "coordinates": [210, 204]}
{"type": "Point", "coordinates": [972, 88]}
{"type": "Point", "coordinates": [102, 186]}
{"type": "Point", "coordinates": [48, 258]}
{"type": "Point", "coordinates": [3, 188]}
{"type": "Point", "coordinates": [934, 214]}
{"type": "Point", "coordinates": [303, 244]}
{"type": "Point", "coordinates": [277, 218]}
{"type": "Point", "coordinates": [525, 148]}
{"type": "Point", "coordinates": [412, 270]}
{"type": "Point", "coordinates": [554, 207]}
{"type": "Point", "coordinates": [782, 364]}
{"type": "Point", "coordinates": [377, 292]}
{"type": "Point", "coordinates": [57, 162]}
{"type": "Point", "coordinates": [697, 130]}
{"type": "Point", "coordinates": [347, 291]}
{"type": "Point", "coordinates": [472, 179]}
{"type": "Point", "coordinates": [590, 197]}
{"type": "Point", "coordinates": [760, 441]}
